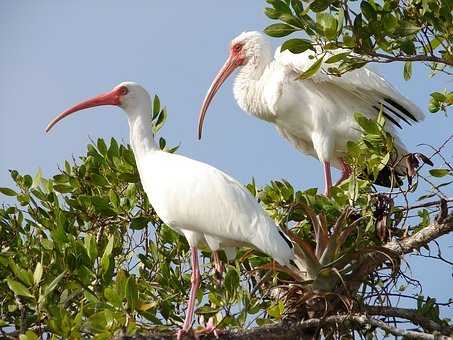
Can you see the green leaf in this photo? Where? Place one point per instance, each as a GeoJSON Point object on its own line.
{"type": "Point", "coordinates": [50, 288]}
{"type": "Point", "coordinates": [23, 275]}
{"type": "Point", "coordinates": [407, 28]}
{"type": "Point", "coordinates": [160, 121]}
{"type": "Point", "coordinates": [91, 246]}
{"type": "Point", "coordinates": [231, 281]}
{"type": "Point", "coordinates": [449, 98]}
{"type": "Point", "coordinates": [8, 192]}
{"type": "Point", "coordinates": [139, 223]}
{"type": "Point", "coordinates": [327, 24]}
{"type": "Point", "coordinates": [18, 288]}
{"type": "Point", "coordinates": [368, 11]}
{"type": "Point", "coordinates": [407, 72]}
{"type": "Point", "coordinates": [279, 30]}
{"type": "Point", "coordinates": [63, 188]}
{"type": "Point", "coordinates": [37, 275]}
{"type": "Point", "coordinates": [156, 106]}
{"type": "Point", "coordinates": [99, 180]}
{"type": "Point", "coordinates": [438, 96]}
{"type": "Point", "coordinates": [297, 45]}
{"type": "Point", "coordinates": [272, 13]}
{"type": "Point", "coordinates": [105, 260]}
{"type": "Point", "coordinates": [102, 147]}
{"type": "Point", "coordinates": [280, 5]}
{"type": "Point", "coordinates": [407, 46]}
{"type": "Point", "coordinates": [337, 57]}
{"type": "Point", "coordinates": [47, 244]}
{"type": "Point", "coordinates": [389, 23]}
{"type": "Point", "coordinates": [131, 293]}
{"type": "Point", "coordinates": [37, 180]}
{"type": "Point", "coordinates": [319, 5]}
{"type": "Point", "coordinates": [311, 70]}
{"type": "Point", "coordinates": [276, 310]}
{"type": "Point", "coordinates": [28, 181]}
{"type": "Point", "coordinates": [366, 124]}
{"type": "Point", "coordinates": [112, 296]}
{"type": "Point", "coordinates": [29, 335]}
{"type": "Point", "coordinates": [162, 143]}
{"type": "Point", "coordinates": [439, 172]}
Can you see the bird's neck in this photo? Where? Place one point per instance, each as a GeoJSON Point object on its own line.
{"type": "Point", "coordinates": [141, 134]}
{"type": "Point", "coordinates": [249, 85]}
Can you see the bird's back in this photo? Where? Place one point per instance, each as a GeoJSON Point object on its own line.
{"type": "Point", "coordinates": [192, 195]}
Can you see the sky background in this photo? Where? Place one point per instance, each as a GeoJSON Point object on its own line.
{"type": "Point", "coordinates": [56, 53]}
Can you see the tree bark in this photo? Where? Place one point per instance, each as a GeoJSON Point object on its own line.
{"type": "Point", "coordinates": [296, 331]}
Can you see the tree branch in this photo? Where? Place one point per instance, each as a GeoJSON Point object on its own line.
{"type": "Point", "coordinates": [401, 247]}
{"type": "Point", "coordinates": [385, 58]}
{"type": "Point", "coordinates": [411, 315]}
{"type": "Point", "coordinates": [429, 204]}
{"type": "Point", "coordinates": [423, 237]}
{"type": "Point", "coordinates": [291, 331]}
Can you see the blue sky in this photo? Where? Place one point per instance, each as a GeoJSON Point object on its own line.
{"type": "Point", "coordinates": [57, 53]}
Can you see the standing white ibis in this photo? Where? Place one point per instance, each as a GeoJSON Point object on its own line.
{"type": "Point", "coordinates": [197, 200]}
{"type": "Point", "coordinates": [316, 114]}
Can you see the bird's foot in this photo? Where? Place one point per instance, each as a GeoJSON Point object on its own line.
{"type": "Point", "coordinates": [209, 328]}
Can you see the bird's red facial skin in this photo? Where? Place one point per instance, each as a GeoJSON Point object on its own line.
{"type": "Point", "coordinates": [237, 54]}
{"type": "Point", "coordinates": [122, 91]}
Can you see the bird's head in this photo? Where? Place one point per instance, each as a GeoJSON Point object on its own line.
{"type": "Point", "coordinates": [248, 48]}
{"type": "Point", "coordinates": [127, 95]}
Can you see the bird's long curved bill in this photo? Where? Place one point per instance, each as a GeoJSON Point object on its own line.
{"type": "Point", "coordinates": [109, 98]}
{"type": "Point", "coordinates": [220, 78]}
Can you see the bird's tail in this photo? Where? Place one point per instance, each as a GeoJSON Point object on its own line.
{"type": "Point", "coordinates": [271, 240]}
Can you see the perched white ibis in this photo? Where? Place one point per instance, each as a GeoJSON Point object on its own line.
{"type": "Point", "coordinates": [316, 114]}
{"type": "Point", "coordinates": [197, 200]}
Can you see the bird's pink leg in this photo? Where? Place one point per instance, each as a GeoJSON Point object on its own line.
{"type": "Point", "coordinates": [327, 178]}
{"type": "Point", "coordinates": [346, 171]}
{"type": "Point", "coordinates": [195, 284]}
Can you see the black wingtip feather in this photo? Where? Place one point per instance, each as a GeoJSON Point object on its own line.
{"type": "Point", "coordinates": [388, 117]}
{"type": "Point", "coordinates": [286, 238]}
{"type": "Point", "coordinates": [401, 108]}
{"type": "Point", "coordinates": [396, 114]}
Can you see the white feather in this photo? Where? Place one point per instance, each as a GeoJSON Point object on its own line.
{"type": "Point", "coordinates": [316, 114]}
{"type": "Point", "coordinates": [203, 203]}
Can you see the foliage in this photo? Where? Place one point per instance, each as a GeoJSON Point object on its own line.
{"type": "Point", "coordinates": [368, 31]}
{"type": "Point", "coordinates": [83, 253]}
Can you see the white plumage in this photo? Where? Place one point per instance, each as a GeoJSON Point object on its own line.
{"type": "Point", "coordinates": [197, 200]}
{"type": "Point", "coordinates": [316, 114]}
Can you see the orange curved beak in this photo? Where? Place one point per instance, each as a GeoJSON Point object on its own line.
{"type": "Point", "coordinates": [230, 65]}
{"type": "Point", "coordinates": [109, 98]}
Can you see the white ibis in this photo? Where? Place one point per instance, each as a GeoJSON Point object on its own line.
{"type": "Point", "coordinates": [197, 200]}
{"type": "Point", "coordinates": [316, 114]}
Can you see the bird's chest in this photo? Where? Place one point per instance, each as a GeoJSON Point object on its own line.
{"type": "Point", "coordinates": [294, 115]}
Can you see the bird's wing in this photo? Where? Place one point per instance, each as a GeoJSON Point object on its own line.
{"type": "Point", "coordinates": [363, 82]}
{"type": "Point", "coordinates": [195, 196]}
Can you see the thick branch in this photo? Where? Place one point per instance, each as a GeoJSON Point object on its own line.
{"type": "Point", "coordinates": [423, 237]}
{"type": "Point", "coordinates": [402, 247]}
{"type": "Point", "coordinates": [295, 331]}
{"type": "Point", "coordinates": [411, 315]}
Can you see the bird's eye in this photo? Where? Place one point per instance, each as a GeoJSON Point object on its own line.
{"type": "Point", "coordinates": [237, 48]}
{"type": "Point", "coordinates": [124, 90]}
